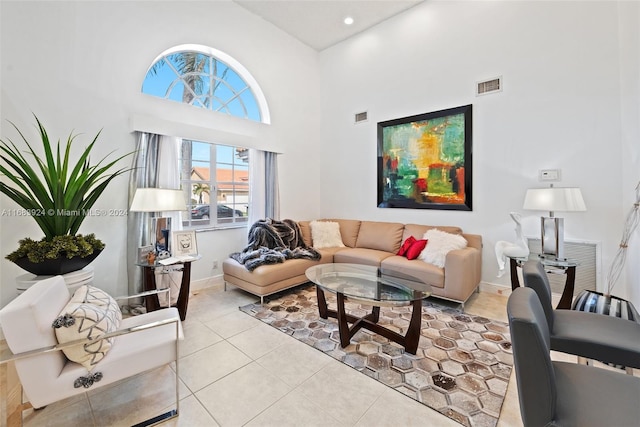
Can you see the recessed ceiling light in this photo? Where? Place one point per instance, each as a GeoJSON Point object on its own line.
{"type": "Point", "coordinates": [348, 20]}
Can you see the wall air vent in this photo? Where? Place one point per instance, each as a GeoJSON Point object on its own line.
{"type": "Point", "coordinates": [361, 117]}
{"type": "Point", "coordinates": [489, 86]}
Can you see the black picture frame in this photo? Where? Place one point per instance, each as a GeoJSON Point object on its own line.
{"type": "Point", "coordinates": [425, 161]}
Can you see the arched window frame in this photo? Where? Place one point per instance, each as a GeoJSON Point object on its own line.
{"type": "Point", "coordinates": [232, 63]}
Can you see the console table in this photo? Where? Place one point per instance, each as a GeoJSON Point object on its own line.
{"type": "Point", "coordinates": [553, 266]}
{"type": "Point", "coordinates": [149, 284]}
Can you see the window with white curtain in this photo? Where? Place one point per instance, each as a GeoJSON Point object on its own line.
{"type": "Point", "coordinates": [214, 176]}
{"type": "Point", "coordinates": [217, 179]}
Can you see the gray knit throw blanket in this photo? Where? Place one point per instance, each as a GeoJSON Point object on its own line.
{"type": "Point", "coordinates": [273, 242]}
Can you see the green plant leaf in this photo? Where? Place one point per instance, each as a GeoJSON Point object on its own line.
{"type": "Point", "coordinates": [49, 186]}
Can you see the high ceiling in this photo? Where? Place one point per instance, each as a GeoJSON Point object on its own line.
{"type": "Point", "coordinates": [320, 23]}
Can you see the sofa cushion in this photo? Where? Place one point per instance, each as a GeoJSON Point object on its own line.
{"type": "Point", "coordinates": [265, 275]}
{"type": "Point", "coordinates": [361, 256]}
{"type": "Point", "coordinates": [440, 244]}
{"type": "Point", "coordinates": [383, 236]}
{"type": "Point", "coordinates": [349, 229]}
{"type": "Point", "coordinates": [417, 230]}
{"type": "Point", "coordinates": [428, 273]}
{"type": "Point", "coordinates": [305, 230]}
{"type": "Point", "coordinates": [326, 234]}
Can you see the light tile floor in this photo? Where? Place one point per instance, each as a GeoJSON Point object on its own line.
{"type": "Point", "coordinates": [234, 370]}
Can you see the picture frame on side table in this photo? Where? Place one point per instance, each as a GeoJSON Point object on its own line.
{"type": "Point", "coordinates": [184, 243]}
{"type": "Point", "coordinates": [424, 161]}
{"type": "Point", "coordinates": [143, 253]}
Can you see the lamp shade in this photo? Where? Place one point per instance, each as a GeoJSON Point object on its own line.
{"type": "Point", "coordinates": [554, 199]}
{"type": "Point", "coordinates": [157, 200]}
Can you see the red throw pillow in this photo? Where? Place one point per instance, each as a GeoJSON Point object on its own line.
{"type": "Point", "coordinates": [418, 246]}
{"type": "Point", "coordinates": [406, 245]}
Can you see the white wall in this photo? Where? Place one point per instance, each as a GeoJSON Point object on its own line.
{"type": "Point", "coordinates": [80, 66]}
{"type": "Point", "coordinates": [570, 101]}
{"type": "Point", "coordinates": [560, 109]}
{"type": "Point", "coordinates": [629, 33]}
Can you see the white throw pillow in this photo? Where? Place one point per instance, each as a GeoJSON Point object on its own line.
{"type": "Point", "coordinates": [92, 295]}
{"type": "Point", "coordinates": [90, 313]}
{"type": "Point", "coordinates": [439, 244]}
{"type": "Point", "coordinates": [326, 234]}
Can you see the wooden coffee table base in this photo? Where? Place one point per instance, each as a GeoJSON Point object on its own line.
{"type": "Point", "coordinates": [370, 322]}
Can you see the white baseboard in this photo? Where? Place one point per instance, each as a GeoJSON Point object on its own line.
{"type": "Point", "coordinates": [496, 289]}
{"type": "Point", "coordinates": [493, 288]}
{"type": "Point", "coordinates": [207, 282]}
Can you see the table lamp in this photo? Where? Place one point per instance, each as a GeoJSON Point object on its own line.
{"type": "Point", "coordinates": [158, 200]}
{"type": "Point", "coordinates": [553, 199]}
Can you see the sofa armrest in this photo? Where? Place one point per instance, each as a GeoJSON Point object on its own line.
{"type": "Point", "coordinates": [463, 269]}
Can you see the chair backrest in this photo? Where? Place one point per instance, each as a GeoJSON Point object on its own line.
{"type": "Point", "coordinates": [536, 278]}
{"type": "Point", "coordinates": [26, 321]}
{"type": "Point", "coordinates": [26, 324]}
{"type": "Point", "coordinates": [535, 375]}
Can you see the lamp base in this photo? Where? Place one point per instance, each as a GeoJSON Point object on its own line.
{"type": "Point", "coordinates": [552, 237]}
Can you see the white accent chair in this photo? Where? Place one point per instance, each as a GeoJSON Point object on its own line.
{"type": "Point", "coordinates": [141, 343]}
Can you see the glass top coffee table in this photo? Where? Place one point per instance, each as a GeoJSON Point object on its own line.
{"type": "Point", "coordinates": [372, 286]}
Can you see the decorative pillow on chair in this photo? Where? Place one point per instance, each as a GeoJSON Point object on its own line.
{"type": "Point", "coordinates": [440, 243]}
{"type": "Point", "coordinates": [416, 249]}
{"type": "Point", "coordinates": [326, 234]}
{"type": "Point", "coordinates": [92, 295]}
{"type": "Point", "coordinates": [90, 313]}
{"type": "Point", "coordinates": [406, 245]}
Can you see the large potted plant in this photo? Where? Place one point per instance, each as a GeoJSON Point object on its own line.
{"type": "Point", "coordinates": [59, 195]}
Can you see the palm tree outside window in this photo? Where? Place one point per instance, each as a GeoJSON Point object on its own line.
{"type": "Point", "coordinates": [202, 80]}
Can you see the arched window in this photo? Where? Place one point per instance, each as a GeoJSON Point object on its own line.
{"type": "Point", "coordinates": [206, 78]}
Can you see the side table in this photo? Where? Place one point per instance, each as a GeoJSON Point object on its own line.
{"type": "Point", "coordinates": [566, 266]}
{"type": "Point", "coordinates": [149, 283]}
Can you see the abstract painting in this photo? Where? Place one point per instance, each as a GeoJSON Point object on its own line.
{"type": "Point", "coordinates": [424, 161]}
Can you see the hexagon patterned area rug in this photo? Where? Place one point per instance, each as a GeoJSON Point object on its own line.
{"type": "Point", "coordinates": [461, 368]}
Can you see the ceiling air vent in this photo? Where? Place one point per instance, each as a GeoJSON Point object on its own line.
{"type": "Point", "coordinates": [489, 86]}
{"type": "Point", "coordinates": [361, 117]}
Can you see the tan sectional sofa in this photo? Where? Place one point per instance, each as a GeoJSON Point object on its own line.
{"type": "Point", "coordinates": [371, 243]}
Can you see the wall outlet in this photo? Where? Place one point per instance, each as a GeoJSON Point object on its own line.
{"type": "Point", "coordinates": [215, 264]}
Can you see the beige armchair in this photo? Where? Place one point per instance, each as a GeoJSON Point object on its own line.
{"type": "Point", "coordinates": [139, 344]}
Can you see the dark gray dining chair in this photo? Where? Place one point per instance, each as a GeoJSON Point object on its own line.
{"type": "Point", "coordinates": [559, 393]}
{"type": "Point", "coordinates": [590, 335]}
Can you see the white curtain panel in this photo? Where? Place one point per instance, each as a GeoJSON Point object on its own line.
{"type": "Point", "coordinates": [156, 164]}
{"type": "Point", "coordinates": [144, 173]}
{"type": "Point", "coordinates": [264, 195]}
{"type": "Point", "coordinates": [272, 198]}
{"type": "Point", "coordinates": [169, 172]}
{"type": "Point", "coordinates": [257, 189]}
